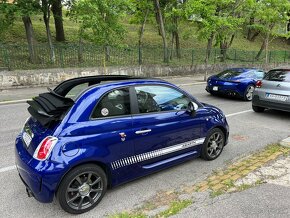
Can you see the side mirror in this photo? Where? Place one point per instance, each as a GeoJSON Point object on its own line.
{"type": "Point", "coordinates": [192, 108]}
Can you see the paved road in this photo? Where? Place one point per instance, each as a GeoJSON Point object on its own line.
{"type": "Point", "coordinates": [249, 132]}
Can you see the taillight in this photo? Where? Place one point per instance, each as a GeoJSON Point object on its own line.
{"type": "Point", "coordinates": [259, 84]}
{"type": "Point", "coordinates": [45, 147]}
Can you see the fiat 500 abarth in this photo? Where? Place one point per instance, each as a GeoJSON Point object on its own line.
{"type": "Point", "coordinates": [115, 130]}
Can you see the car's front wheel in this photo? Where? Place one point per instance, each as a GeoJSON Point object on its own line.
{"type": "Point", "coordinates": [248, 96]}
{"type": "Point", "coordinates": [258, 109]}
{"type": "Point", "coordinates": [213, 144]}
{"type": "Point", "coordinates": [82, 189]}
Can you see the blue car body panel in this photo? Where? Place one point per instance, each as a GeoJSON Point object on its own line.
{"type": "Point", "coordinates": [176, 137]}
{"type": "Point", "coordinates": [236, 85]}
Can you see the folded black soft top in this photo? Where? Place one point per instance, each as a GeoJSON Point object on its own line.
{"type": "Point", "coordinates": [48, 107]}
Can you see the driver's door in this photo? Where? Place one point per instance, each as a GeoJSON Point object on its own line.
{"type": "Point", "coordinates": [163, 128]}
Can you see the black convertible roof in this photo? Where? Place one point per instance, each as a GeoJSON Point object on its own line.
{"type": "Point", "coordinates": [64, 87]}
{"type": "Point", "coordinates": [50, 106]}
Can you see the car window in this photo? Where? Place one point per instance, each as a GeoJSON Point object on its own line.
{"type": "Point", "coordinates": [114, 103]}
{"type": "Point", "coordinates": [278, 75]}
{"type": "Point", "coordinates": [160, 98]}
{"type": "Point", "coordinates": [259, 74]}
{"type": "Point", "coordinates": [75, 91]}
{"type": "Point", "coordinates": [229, 73]}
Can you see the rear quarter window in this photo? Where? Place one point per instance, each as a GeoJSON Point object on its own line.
{"type": "Point", "coordinates": [278, 75]}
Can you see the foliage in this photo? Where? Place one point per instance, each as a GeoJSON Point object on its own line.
{"type": "Point", "coordinates": [270, 13]}
{"type": "Point", "coordinates": [99, 19]}
{"type": "Point", "coordinates": [6, 16]}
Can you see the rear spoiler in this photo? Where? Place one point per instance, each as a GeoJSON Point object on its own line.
{"type": "Point", "coordinates": [49, 107]}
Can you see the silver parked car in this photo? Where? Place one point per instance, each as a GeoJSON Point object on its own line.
{"type": "Point", "coordinates": [273, 92]}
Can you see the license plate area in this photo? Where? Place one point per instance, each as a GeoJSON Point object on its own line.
{"type": "Point", "coordinates": [215, 88]}
{"type": "Point", "coordinates": [276, 97]}
{"type": "Point", "coordinates": [26, 138]}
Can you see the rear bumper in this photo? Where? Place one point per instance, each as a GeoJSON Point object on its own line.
{"type": "Point", "coordinates": [269, 104]}
{"type": "Point", "coordinates": [230, 90]}
{"type": "Point", "coordinates": [37, 176]}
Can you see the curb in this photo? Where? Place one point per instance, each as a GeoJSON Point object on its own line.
{"type": "Point", "coordinates": [15, 101]}
{"type": "Point", "coordinates": [285, 142]}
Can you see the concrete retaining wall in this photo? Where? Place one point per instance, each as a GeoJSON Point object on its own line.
{"type": "Point", "coordinates": [45, 77]}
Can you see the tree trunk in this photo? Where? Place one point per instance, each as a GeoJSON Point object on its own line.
{"type": "Point", "coordinates": [30, 39]}
{"type": "Point", "coordinates": [58, 21]}
{"type": "Point", "coordinates": [208, 48]}
{"type": "Point", "coordinates": [254, 35]}
{"type": "Point", "coordinates": [172, 45]}
{"type": "Point", "coordinates": [267, 48]}
{"type": "Point", "coordinates": [142, 28]}
{"type": "Point", "coordinates": [177, 40]}
{"type": "Point", "coordinates": [224, 46]}
{"type": "Point", "coordinates": [261, 50]}
{"type": "Point", "coordinates": [162, 30]}
{"type": "Point", "coordinates": [46, 17]}
{"type": "Point", "coordinates": [250, 30]}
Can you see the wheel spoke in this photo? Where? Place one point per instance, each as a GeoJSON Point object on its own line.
{"type": "Point", "coordinates": [210, 151]}
{"type": "Point", "coordinates": [91, 200]}
{"type": "Point", "coordinates": [72, 189]}
{"type": "Point", "coordinates": [96, 181]}
{"type": "Point", "coordinates": [96, 190]}
{"type": "Point", "coordinates": [79, 180]}
{"type": "Point", "coordinates": [73, 198]}
{"type": "Point", "coordinates": [89, 177]}
{"type": "Point", "coordinates": [80, 203]}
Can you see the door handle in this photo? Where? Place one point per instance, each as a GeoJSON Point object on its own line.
{"type": "Point", "coordinates": [143, 131]}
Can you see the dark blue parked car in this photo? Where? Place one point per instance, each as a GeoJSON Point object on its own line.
{"type": "Point", "coordinates": [116, 129]}
{"type": "Point", "coordinates": [236, 82]}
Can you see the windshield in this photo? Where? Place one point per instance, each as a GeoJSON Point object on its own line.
{"type": "Point", "coordinates": [228, 74]}
{"type": "Point", "coordinates": [278, 75]}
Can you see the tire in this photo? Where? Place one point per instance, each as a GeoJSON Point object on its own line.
{"type": "Point", "coordinates": [212, 151]}
{"type": "Point", "coordinates": [82, 189]}
{"type": "Point", "coordinates": [258, 109]}
{"type": "Point", "coordinates": [248, 95]}
{"type": "Point", "coordinates": [213, 93]}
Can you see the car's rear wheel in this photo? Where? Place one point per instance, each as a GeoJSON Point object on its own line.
{"type": "Point", "coordinates": [213, 144]}
{"type": "Point", "coordinates": [258, 109]}
{"type": "Point", "coordinates": [82, 189]}
{"type": "Point", "coordinates": [248, 96]}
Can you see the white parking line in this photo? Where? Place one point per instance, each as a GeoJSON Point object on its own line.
{"type": "Point", "coordinates": [189, 84]}
{"type": "Point", "coordinates": [241, 112]}
{"type": "Point", "coordinates": [9, 168]}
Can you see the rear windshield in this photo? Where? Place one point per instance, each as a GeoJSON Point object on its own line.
{"type": "Point", "coordinates": [278, 75]}
{"type": "Point", "coordinates": [228, 74]}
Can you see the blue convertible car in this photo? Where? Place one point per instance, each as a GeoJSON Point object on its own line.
{"type": "Point", "coordinates": [239, 82]}
{"type": "Point", "coordinates": [91, 133]}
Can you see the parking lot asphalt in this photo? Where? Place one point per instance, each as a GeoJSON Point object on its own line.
{"type": "Point", "coordinates": [249, 132]}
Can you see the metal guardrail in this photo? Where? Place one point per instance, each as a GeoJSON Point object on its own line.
{"type": "Point", "coordinates": [14, 57]}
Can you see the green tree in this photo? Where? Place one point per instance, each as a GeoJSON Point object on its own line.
{"type": "Point", "coordinates": [25, 9]}
{"type": "Point", "coordinates": [141, 11]}
{"type": "Point", "coordinates": [6, 16]}
{"type": "Point", "coordinates": [100, 21]}
{"type": "Point", "coordinates": [216, 20]}
{"type": "Point", "coordinates": [269, 15]}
